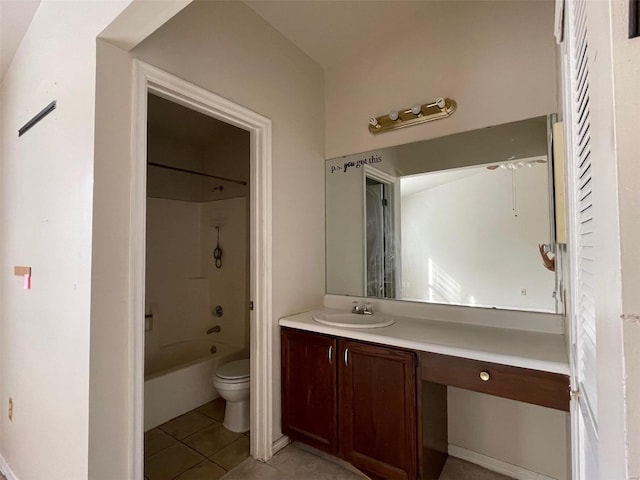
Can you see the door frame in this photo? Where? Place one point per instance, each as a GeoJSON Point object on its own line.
{"type": "Point", "coordinates": [149, 79]}
{"type": "Point", "coordinates": [394, 184]}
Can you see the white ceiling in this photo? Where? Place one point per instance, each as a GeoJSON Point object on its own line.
{"type": "Point", "coordinates": [329, 31]}
{"type": "Point", "coordinates": [15, 18]}
{"type": "Point", "coordinates": [182, 126]}
{"type": "Point", "coordinates": [334, 31]}
{"type": "Point", "coordinates": [426, 181]}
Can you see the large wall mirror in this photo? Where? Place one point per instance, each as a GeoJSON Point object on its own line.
{"type": "Point", "coordinates": [457, 220]}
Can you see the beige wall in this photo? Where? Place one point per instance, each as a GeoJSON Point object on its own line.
{"type": "Point", "coordinates": [496, 59]}
{"type": "Point", "coordinates": [46, 210]}
{"type": "Point", "coordinates": [198, 143]}
{"type": "Point", "coordinates": [229, 50]}
{"type": "Point", "coordinates": [345, 229]}
{"type": "Point", "coordinates": [227, 284]}
{"type": "Point", "coordinates": [46, 221]}
{"type": "Point", "coordinates": [222, 47]}
{"type": "Point", "coordinates": [536, 439]}
{"type": "Point", "coordinates": [110, 310]}
{"type": "Point", "coordinates": [626, 70]}
{"type": "Point", "coordinates": [176, 291]}
{"type": "Point", "coordinates": [183, 286]}
{"type": "Point", "coordinates": [447, 227]}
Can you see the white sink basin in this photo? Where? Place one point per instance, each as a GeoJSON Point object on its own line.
{"type": "Point", "coordinates": [354, 320]}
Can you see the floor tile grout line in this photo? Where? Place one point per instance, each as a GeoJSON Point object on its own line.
{"type": "Point", "coordinates": [177, 440]}
{"type": "Point", "coordinates": [198, 431]}
{"type": "Point", "coordinates": [159, 451]}
{"type": "Point", "coordinates": [197, 409]}
{"type": "Point", "coordinates": [217, 451]}
{"type": "Point", "coordinates": [193, 433]}
{"type": "Point", "coordinates": [228, 445]}
{"type": "Point", "coordinates": [213, 461]}
{"type": "Point", "coordinates": [209, 416]}
{"type": "Point", "coordinates": [204, 457]}
{"type": "Point", "coordinates": [199, 463]}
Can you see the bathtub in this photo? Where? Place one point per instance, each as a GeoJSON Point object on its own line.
{"type": "Point", "coordinates": [179, 378]}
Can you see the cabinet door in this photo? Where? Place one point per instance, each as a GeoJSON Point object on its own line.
{"type": "Point", "coordinates": [309, 398]}
{"type": "Point", "coordinates": [377, 413]}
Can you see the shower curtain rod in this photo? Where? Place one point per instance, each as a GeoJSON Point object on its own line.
{"type": "Point", "coordinates": [239, 182]}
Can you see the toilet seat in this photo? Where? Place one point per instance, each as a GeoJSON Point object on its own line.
{"type": "Point", "coordinates": [234, 372]}
{"type": "Point", "coordinates": [233, 384]}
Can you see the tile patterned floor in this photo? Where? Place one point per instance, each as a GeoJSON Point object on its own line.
{"type": "Point", "coordinates": [298, 462]}
{"type": "Point", "coordinates": [456, 469]}
{"type": "Point", "coordinates": [194, 446]}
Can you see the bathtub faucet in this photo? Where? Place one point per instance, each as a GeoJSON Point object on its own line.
{"type": "Point", "coordinates": [214, 329]}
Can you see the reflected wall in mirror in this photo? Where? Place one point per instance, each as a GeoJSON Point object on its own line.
{"type": "Point", "coordinates": [454, 220]}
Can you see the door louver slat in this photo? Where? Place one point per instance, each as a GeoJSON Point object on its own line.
{"type": "Point", "coordinates": [583, 239]}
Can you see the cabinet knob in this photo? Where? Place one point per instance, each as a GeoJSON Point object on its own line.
{"type": "Point", "coordinates": [484, 376]}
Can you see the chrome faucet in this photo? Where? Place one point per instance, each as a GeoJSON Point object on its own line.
{"type": "Point", "coordinates": [362, 308]}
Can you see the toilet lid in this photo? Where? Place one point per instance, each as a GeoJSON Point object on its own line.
{"type": "Point", "coordinates": [234, 370]}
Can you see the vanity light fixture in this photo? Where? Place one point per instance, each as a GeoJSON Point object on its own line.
{"type": "Point", "coordinates": [416, 114]}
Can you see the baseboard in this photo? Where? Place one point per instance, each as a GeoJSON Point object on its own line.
{"type": "Point", "coordinates": [496, 465]}
{"type": "Point", "coordinates": [279, 444]}
{"type": "Point", "coordinates": [6, 469]}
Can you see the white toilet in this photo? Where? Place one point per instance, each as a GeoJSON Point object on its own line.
{"type": "Point", "coordinates": [232, 381]}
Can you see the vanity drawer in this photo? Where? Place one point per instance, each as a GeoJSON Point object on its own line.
{"type": "Point", "coordinates": [522, 384]}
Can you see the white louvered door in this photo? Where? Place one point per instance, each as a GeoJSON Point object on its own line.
{"type": "Point", "coordinates": [581, 248]}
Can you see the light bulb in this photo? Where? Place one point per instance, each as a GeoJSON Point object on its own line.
{"type": "Point", "coordinates": [373, 121]}
{"type": "Point", "coordinates": [393, 115]}
{"type": "Point", "coordinates": [416, 109]}
{"type": "Point", "coordinates": [440, 102]}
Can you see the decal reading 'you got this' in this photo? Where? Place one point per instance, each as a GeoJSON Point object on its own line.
{"type": "Point", "coordinates": [356, 163]}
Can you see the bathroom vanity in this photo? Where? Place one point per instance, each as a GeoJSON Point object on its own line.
{"type": "Point", "coordinates": [351, 398]}
{"type": "Point", "coordinates": [378, 397]}
{"type": "Point", "coordinates": [446, 236]}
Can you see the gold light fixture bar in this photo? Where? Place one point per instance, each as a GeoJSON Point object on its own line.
{"type": "Point", "coordinates": [440, 108]}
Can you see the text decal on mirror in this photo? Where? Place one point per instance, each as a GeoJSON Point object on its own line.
{"type": "Point", "coordinates": [356, 163]}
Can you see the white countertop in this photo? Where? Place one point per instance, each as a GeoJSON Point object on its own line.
{"type": "Point", "coordinates": [538, 351]}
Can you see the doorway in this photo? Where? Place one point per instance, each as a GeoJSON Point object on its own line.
{"type": "Point", "coordinates": [150, 80]}
{"type": "Point", "coordinates": [380, 252]}
{"type": "Point", "coordinates": [381, 220]}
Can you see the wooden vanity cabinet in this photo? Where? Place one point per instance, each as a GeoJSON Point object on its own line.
{"type": "Point", "coordinates": [382, 408]}
{"type": "Point", "coordinates": [377, 413]}
{"type": "Point", "coordinates": [546, 389]}
{"type": "Point", "coordinates": [353, 399]}
{"type": "Point", "coordinates": [309, 392]}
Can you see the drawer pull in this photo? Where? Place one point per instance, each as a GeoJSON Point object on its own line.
{"type": "Point", "coordinates": [484, 376]}
{"type": "Point", "coordinates": [331, 354]}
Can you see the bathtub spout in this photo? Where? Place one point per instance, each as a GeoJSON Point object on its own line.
{"type": "Point", "coordinates": [214, 329]}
